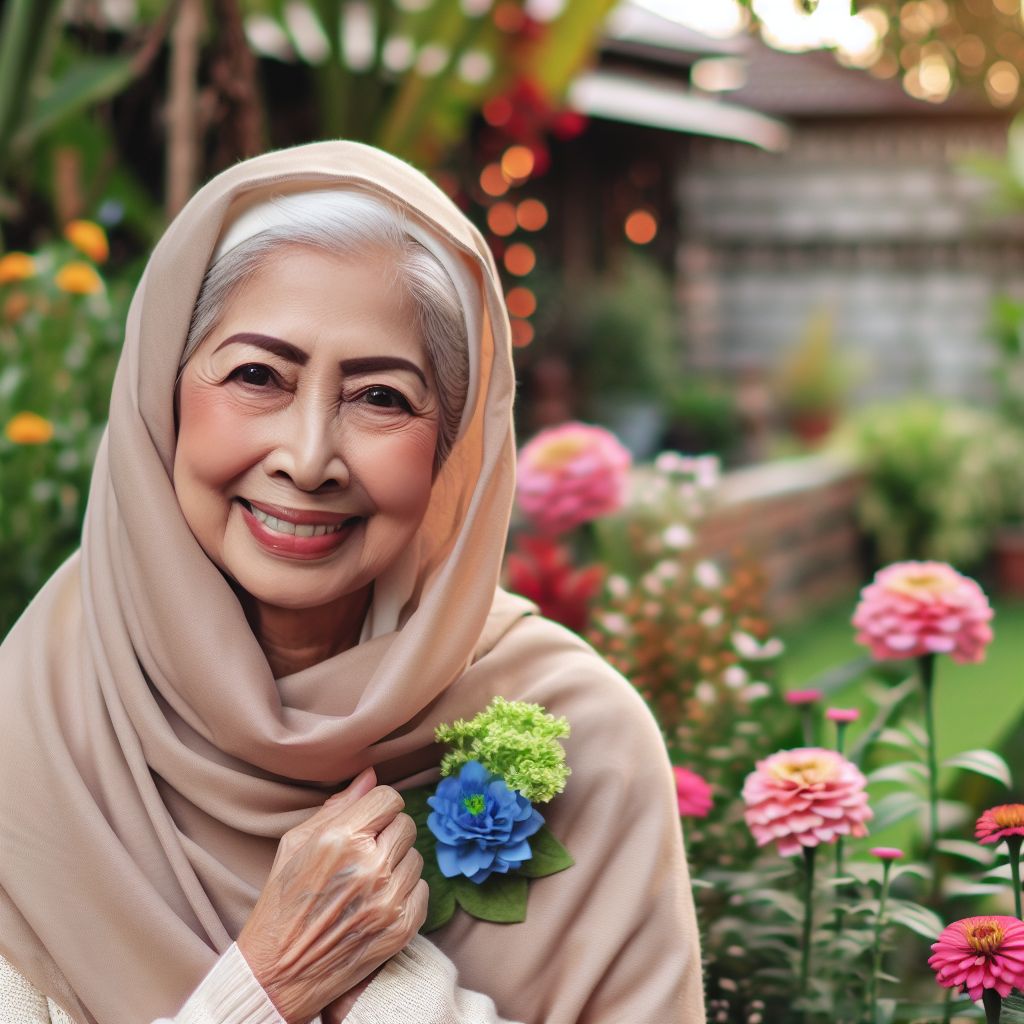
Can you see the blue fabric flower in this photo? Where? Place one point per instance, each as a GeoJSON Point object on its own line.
{"type": "Point", "coordinates": [481, 825]}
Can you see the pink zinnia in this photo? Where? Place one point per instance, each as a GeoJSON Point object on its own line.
{"type": "Point", "coordinates": [693, 792]}
{"type": "Point", "coordinates": [842, 715]}
{"type": "Point", "coordinates": [999, 823]}
{"type": "Point", "coordinates": [979, 953]}
{"type": "Point", "coordinates": [886, 852]}
{"type": "Point", "coordinates": [570, 475]}
{"type": "Point", "coordinates": [798, 697]}
{"type": "Point", "coordinates": [916, 608]}
{"type": "Point", "coordinates": [804, 797]}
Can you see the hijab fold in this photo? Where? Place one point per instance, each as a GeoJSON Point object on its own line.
{"type": "Point", "coordinates": [151, 761]}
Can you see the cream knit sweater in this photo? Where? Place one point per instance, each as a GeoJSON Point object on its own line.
{"type": "Point", "coordinates": [418, 986]}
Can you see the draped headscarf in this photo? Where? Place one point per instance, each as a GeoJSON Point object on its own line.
{"type": "Point", "coordinates": [150, 761]}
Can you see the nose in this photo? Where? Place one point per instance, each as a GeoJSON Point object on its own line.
{"type": "Point", "coordinates": [308, 450]}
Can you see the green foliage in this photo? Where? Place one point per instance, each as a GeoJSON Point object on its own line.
{"type": "Point", "coordinates": [938, 478]}
{"type": "Point", "coordinates": [812, 376]}
{"type": "Point", "coordinates": [513, 739]}
{"type": "Point", "coordinates": [627, 327]}
{"type": "Point", "coordinates": [58, 352]}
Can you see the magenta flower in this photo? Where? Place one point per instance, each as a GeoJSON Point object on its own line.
{"type": "Point", "coordinates": [917, 608]}
{"type": "Point", "coordinates": [799, 697]}
{"type": "Point", "coordinates": [693, 792]}
{"type": "Point", "coordinates": [571, 474]}
{"type": "Point", "coordinates": [842, 715]}
{"type": "Point", "coordinates": [886, 852]}
{"type": "Point", "coordinates": [1000, 823]}
{"type": "Point", "coordinates": [804, 797]}
{"type": "Point", "coordinates": [979, 953]}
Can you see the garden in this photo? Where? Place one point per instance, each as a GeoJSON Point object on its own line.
{"type": "Point", "coordinates": [846, 731]}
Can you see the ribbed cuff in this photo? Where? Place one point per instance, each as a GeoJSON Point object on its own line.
{"type": "Point", "coordinates": [420, 984]}
{"type": "Point", "coordinates": [229, 994]}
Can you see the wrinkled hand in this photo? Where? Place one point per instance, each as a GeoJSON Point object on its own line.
{"type": "Point", "coordinates": [344, 895]}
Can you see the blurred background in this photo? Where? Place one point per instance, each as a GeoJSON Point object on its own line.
{"type": "Point", "coordinates": [757, 230]}
{"type": "Point", "coordinates": [781, 239]}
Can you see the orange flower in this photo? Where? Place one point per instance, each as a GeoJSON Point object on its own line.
{"type": "Point", "coordinates": [16, 266]}
{"type": "Point", "coordinates": [28, 428]}
{"type": "Point", "coordinates": [78, 278]}
{"type": "Point", "coordinates": [89, 238]}
{"type": "Point", "coordinates": [16, 305]}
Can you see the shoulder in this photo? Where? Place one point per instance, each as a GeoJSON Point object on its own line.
{"type": "Point", "coordinates": [542, 662]}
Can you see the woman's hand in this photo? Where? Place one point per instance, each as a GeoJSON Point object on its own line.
{"type": "Point", "coordinates": [344, 895]}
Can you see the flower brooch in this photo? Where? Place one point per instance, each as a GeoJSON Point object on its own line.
{"type": "Point", "coordinates": [478, 832]}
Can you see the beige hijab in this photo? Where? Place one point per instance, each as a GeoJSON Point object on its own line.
{"type": "Point", "coordinates": [151, 762]}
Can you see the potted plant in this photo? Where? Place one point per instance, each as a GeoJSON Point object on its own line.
{"type": "Point", "coordinates": [812, 381]}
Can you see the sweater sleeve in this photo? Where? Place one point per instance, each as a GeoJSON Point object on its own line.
{"type": "Point", "coordinates": [419, 985]}
{"type": "Point", "coordinates": [229, 994]}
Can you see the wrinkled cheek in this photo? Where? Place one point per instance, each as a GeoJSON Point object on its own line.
{"type": "Point", "coordinates": [215, 445]}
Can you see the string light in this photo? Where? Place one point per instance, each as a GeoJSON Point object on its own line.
{"type": "Point", "coordinates": [501, 219]}
{"type": "Point", "coordinates": [492, 181]}
{"type": "Point", "coordinates": [522, 332]}
{"type": "Point", "coordinates": [521, 302]}
{"type": "Point", "coordinates": [520, 259]}
{"type": "Point", "coordinates": [517, 163]}
{"type": "Point", "coordinates": [531, 214]}
{"type": "Point", "coordinates": [641, 227]}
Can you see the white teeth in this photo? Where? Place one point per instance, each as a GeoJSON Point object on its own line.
{"type": "Point", "coordinates": [283, 526]}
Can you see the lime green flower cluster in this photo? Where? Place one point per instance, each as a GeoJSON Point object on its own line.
{"type": "Point", "coordinates": [515, 740]}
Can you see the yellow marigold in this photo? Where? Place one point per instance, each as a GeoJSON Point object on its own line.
{"type": "Point", "coordinates": [16, 266]}
{"type": "Point", "coordinates": [29, 428]}
{"type": "Point", "coordinates": [78, 278]}
{"type": "Point", "coordinates": [88, 237]}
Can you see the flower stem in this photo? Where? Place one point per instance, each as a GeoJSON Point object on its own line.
{"type": "Point", "coordinates": [805, 953]}
{"type": "Point", "coordinates": [840, 736]}
{"type": "Point", "coordinates": [807, 722]}
{"type": "Point", "coordinates": [993, 1003]}
{"type": "Point", "coordinates": [840, 910]}
{"type": "Point", "coordinates": [1013, 844]}
{"type": "Point", "coordinates": [926, 668]}
{"type": "Point", "coordinates": [876, 969]}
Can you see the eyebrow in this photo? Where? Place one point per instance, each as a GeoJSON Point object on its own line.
{"type": "Point", "coordinates": [280, 348]}
{"type": "Point", "coordinates": [293, 354]}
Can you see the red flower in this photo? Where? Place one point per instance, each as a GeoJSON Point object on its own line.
{"type": "Point", "coordinates": [999, 823]}
{"type": "Point", "coordinates": [541, 570]}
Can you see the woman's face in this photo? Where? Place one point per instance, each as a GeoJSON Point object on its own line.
{"type": "Point", "coordinates": [307, 427]}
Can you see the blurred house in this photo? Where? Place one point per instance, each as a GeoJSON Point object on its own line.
{"type": "Point", "coordinates": [800, 188]}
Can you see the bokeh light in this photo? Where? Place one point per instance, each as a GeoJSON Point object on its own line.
{"type": "Point", "coordinates": [492, 181]}
{"type": "Point", "coordinates": [531, 214]}
{"type": "Point", "coordinates": [501, 219]}
{"type": "Point", "coordinates": [517, 163]}
{"type": "Point", "coordinates": [520, 259]}
{"type": "Point", "coordinates": [1002, 81]}
{"type": "Point", "coordinates": [641, 227]}
{"type": "Point", "coordinates": [522, 332]}
{"type": "Point", "coordinates": [521, 302]}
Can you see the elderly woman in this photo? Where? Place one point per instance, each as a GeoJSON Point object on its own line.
{"type": "Point", "coordinates": [287, 580]}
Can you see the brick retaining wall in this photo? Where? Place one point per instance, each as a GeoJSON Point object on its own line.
{"type": "Point", "coordinates": [797, 518]}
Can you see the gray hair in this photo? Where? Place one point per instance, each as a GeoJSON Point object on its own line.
{"type": "Point", "coordinates": [354, 224]}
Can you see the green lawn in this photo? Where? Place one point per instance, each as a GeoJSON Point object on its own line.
{"type": "Point", "coordinates": [976, 706]}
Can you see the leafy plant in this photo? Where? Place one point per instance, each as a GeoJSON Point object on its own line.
{"type": "Point", "coordinates": [937, 477]}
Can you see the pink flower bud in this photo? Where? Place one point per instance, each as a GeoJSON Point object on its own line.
{"type": "Point", "coordinates": [798, 697]}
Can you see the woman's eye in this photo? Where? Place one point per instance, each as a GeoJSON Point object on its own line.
{"type": "Point", "coordinates": [386, 398]}
{"type": "Point", "coordinates": [253, 374]}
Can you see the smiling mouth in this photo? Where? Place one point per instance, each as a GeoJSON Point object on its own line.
{"type": "Point", "coordinates": [286, 527]}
